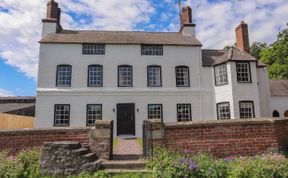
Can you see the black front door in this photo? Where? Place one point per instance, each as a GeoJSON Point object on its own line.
{"type": "Point", "coordinates": [126, 119]}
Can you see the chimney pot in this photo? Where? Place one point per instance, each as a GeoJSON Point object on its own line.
{"type": "Point", "coordinates": [242, 37]}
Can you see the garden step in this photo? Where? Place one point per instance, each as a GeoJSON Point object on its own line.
{"type": "Point", "coordinates": [81, 151]}
{"type": "Point", "coordinates": [86, 145]}
{"type": "Point", "coordinates": [127, 157]}
{"type": "Point", "coordinates": [117, 171]}
{"type": "Point", "coordinates": [124, 164]}
{"type": "Point", "coordinates": [90, 156]}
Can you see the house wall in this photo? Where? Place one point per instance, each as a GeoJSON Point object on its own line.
{"type": "Point", "coordinates": [199, 95]}
{"type": "Point", "coordinates": [279, 103]}
{"type": "Point", "coordinates": [224, 93]}
{"type": "Point", "coordinates": [264, 92]}
{"type": "Point", "coordinates": [245, 91]}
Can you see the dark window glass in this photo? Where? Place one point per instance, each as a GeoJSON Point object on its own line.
{"type": "Point", "coordinates": [95, 76]}
{"type": "Point", "coordinates": [154, 76]}
{"type": "Point", "coordinates": [243, 72]}
{"type": "Point", "coordinates": [223, 111]}
{"type": "Point", "coordinates": [64, 75]}
{"type": "Point", "coordinates": [182, 76]}
{"type": "Point", "coordinates": [246, 109]}
{"type": "Point", "coordinates": [155, 111]}
{"type": "Point", "coordinates": [94, 112]}
{"type": "Point", "coordinates": [98, 49]}
{"type": "Point", "coordinates": [184, 112]}
{"type": "Point", "coordinates": [125, 76]}
{"type": "Point", "coordinates": [221, 74]}
{"type": "Point", "coordinates": [152, 50]}
{"type": "Point", "coordinates": [62, 115]}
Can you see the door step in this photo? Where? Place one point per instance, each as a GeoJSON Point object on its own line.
{"type": "Point", "coordinates": [127, 157]}
{"type": "Point", "coordinates": [124, 164]}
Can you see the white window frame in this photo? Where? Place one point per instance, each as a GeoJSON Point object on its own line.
{"type": "Point", "coordinates": [154, 76]}
{"type": "Point", "coordinates": [223, 111]}
{"type": "Point", "coordinates": [221, 76]}
{"type": "Point", "coordinates": [246, 109]}
{"type": "Point", "coordinates": [125, 76]}
{"type": "Point", "coordinates": [184, 113]}
{"type": "Point", "coordinates": [94, 112]}
{"type": "Point", "coordinates": [155, 111]}
{"type": "Point", "coordinates": [156, 50]}
{"type": "Point", "coordinates": [62, 115]}
{"type": "Point", "coordinates": [93, 49]}
{"type": "Point", "coordinates": [64, 75]}
{"type": "Point", "coordinates": [243, 72]}
{"type": "Point", "coordinates": [182, 76]}
{"type": "Point", "coordinates": [95, 76]}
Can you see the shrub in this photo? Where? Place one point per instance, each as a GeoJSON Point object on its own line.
{"type": "Point", "coordinates": [166, 163]}
{"type": "Point", "coordinates": [24, 165]}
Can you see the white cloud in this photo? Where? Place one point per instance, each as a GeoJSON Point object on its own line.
{"type": "Point", "coordinates": [20, 28]}
{"type": "Point", "coordinates": [4, 93]}
{"type": "Point", "coordinates": [216, 21]}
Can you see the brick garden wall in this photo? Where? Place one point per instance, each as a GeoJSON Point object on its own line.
{"type": "Point", "coordinates": [222, 138]}
{"type": "Point", "coordinates": [15, 140]}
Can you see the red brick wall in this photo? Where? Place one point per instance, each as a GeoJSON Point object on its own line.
{"type": "Point", "coordinates": [15, 140]}
{"type": "Point", "coordinates": [226, 138]}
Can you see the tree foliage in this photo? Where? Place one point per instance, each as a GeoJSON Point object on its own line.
{"type": "Point", "coordinates": [276, 56]}
{"type": "Point", "coordinates": [256, 49]}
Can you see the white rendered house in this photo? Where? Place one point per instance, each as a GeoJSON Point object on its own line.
{"type": "Point", "coordinates": [129, 77]}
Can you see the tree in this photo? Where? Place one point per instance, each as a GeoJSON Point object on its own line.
{"type": "Point", "coordinates": [256, 49]}
{"type": "Point", "coordinates": [276, 56]}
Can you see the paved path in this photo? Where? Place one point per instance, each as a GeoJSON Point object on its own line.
{"type": "Point", "coordinates": [128, 147]}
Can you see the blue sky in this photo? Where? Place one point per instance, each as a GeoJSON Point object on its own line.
{"type": "Point", "coordinates": [215, 20]}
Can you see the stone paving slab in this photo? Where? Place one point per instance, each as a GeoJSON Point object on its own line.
{"type": "Point", "coordinates": [128, 146]}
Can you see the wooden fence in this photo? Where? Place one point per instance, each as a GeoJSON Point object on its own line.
{"type": "Point", "coordinates": [10, 121]}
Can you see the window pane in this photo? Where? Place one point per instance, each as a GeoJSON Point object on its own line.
{"type": "Point", "coordinates": [95, 76]}
{"type": "Point", "coordinates": [62, 115]}
{"type": "Point", "coordinates": [152, 50]}
{"type": "Point", "coordinates": [125, 76]}
{"type": "Point", "coordinates": [223, 110]}
{"type": "Point", "coordinates": [154, 76]}
{"type": "Point", "coordinates": [221, 74]}
{"type": "Point", "coordinates": [94, 112]}
{"type": "Point", "coordinates": [154, 111]}
{"type": "Point", "coordinates": [94, 49]}
{"type": "Point", "coordinates": [64, 75]}
{"type": "Point", "coordinates": [243, 72]}
{"type": "Point", "coordinates": [182, 77]}
{"type": "Point", "coordinates": [246, 109]}
{"type": "Point", "coordinates": [183, 112]}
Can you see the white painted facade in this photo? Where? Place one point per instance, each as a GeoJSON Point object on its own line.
{"type": "Point", "coordinates": [202, 94]}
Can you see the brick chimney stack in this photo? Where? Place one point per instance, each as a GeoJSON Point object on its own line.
{"type": "Point", "coordinates": [52, 21]}
{"type": "Point", "coordinates": [186, 25]}
{"type": "Point", "coordinates": [186, 16]}
{"type": "Point", "coordinates": [53, 11]}
{"type": "Point", "coordinates": [242, 37]}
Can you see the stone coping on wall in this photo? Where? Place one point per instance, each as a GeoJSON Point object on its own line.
{"type": "Point", "coordinates": [51, 129]}
{"type": "Point", "coordinates": [212, 123]}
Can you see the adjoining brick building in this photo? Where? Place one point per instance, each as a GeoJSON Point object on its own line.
{"type": "Point", "coordinates": [128, 77]}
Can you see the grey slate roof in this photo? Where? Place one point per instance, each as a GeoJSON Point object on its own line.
{"type": "Point", "coordinates": [278, 87]}
{"type": "Point", "coordinates": [8, 107]}
{"type": "Point", "coordinates": [214, 57]}
{"type": "Point", "coordinates": [8, 104]}
{"type": "Point", "coordinates": [121, 37]}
